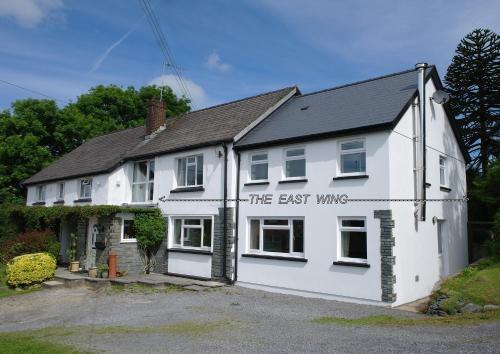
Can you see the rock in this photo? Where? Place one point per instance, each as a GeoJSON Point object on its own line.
{"type": "Point", "coordinates": [490, 307]}
{"type": "Point", "coordinates": [471, 308]}
{"type": "Point", "coordinates": [441, 313]}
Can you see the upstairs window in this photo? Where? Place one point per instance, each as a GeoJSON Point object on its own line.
{"type": "Point", "coordinates": [442, 171]}
{"type": "Point", "coordinates": [353, 239]}
{"type": "Point", "coordinates": [295, 163]}
{"type": "Point", "coordinates": [85, 188]}
{"type": "Point", "coordinates": [40, 193]}
{"type": "Point", "coordinates": [193, 233]}
{"type": "Point", "coordinates": [353, 157]}
{"type": "Point", "coordinates": [285, 236]}
{"type": "Point", "coordinates": [143, 181]}
{"type": "Point", "coordinates": [60, 191]}
{"type": "Point", "coordinates": [190, 171]}
{"type": "Point", "coordinates": [258, 167]}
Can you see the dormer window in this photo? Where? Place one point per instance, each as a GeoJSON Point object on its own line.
{"type": "Point", "coordinates": [86, 188]}
{"type": "Point", "coordinates": [190, 171]}
{"type": "Point", "coordinates": [143, 181]}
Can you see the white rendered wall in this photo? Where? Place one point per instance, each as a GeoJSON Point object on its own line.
{"type": "Point", "coordinates": [416, 250]}
{"type": "Point", "coordinates": [198, 265]}
{"type": "Point", "coordinates": [318, 277]}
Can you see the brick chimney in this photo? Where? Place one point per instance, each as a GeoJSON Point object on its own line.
{"type": "Point", "coordinates": [155, 117]}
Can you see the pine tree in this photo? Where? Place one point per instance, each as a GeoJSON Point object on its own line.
{"type": "Point", "coordinates": [473, 80]}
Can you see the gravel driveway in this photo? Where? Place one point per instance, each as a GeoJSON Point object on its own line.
{"type": "Point", "coordinates": [224, 320]}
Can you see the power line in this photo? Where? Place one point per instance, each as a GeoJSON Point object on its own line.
{"type": "Point", "coordinates": [33, 91]}
{"type": "Point", "coordinates": [164, 47]}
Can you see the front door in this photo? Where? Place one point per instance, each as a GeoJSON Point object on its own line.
{"type": "Point", "coordinates": [441, 248]}
{"type": "Point", "coordinates": [92, 232]}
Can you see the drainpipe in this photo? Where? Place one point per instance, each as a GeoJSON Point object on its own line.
{"type": "Point", "coordinates": [237, 216]}
{"type": "Point", "coordinates": [224, 250]}
{"type": "Point", "coordinates": [421, 109]}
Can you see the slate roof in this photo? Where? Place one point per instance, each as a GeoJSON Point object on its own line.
{"type": "Point", "coordinates": [374, 103]}
{"type": "Point", "coordinates": [199, 128]}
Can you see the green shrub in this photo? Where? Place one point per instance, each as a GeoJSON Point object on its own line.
{"type": "Point", "coordinates": [150, 231]}
{"type": "Point", "coordinates": [31, 241]}
{"type": "Point", "coordinates": [30, 269]}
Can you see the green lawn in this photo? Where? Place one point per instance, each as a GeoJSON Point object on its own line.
{"type": "Point", "coordinates": [19, 343]}
{"type": "Point", "coordinates": [479, 284]}
{"type": "Point", "coordinates": [4, 288]}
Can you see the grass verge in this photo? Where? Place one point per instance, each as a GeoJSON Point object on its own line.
{"type": "Point", "coordinates": [5, 290]}
{"type": "Point", "coordinates": [16, 343]}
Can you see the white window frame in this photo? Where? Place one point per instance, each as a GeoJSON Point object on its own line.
{"type": "Point", "coordinates": [251, 163]}
{"type": "Point", "coordinates": [275, 227]}
{"type": "Point", "coordinates": [60, 190]}
{"type": "Point", "coordinates": [349, 152]}
{"type": "Point", "coordinates": [172, 243]}
{"type": "Point", "coordinates": [146, 182]}
{"type": "Point", "coordinates": [41, 193]}
{"type": "Point", "coordinates": [444, 170]}
{"type": "Point", "coordinates": [122, 233]}
{"type": "Point", "coordinates": [195, 164]}
{"type": "Point", "coordinates": [350, 228]}
{"type": "Point", "coordinates": [293, 158]}
{"type": "Point", "coordinates": [80, 196]}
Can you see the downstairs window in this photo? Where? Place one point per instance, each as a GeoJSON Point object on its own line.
{"type": "Point", "coordinates": [277, 236]}
{"type": "Point", "coordinates": [353, 239]}
{"type": "Point", "coordinates": [192, 233]}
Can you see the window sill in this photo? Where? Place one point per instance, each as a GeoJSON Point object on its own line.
{"type": "Point", "coordinates": [301, 180]}
{"type": "Point", "coordinates": [82, 200]}
{"type": "Point", "coordinates": [58, 202]}
{"type": "Point", "coordinates": [351, 264]}
{"type": "Point", "coordinates": [38, 203]}
{"type": "Point", "coordinates": [281, 258]}
{"type": "Point", "coordinates": [128, 241]}
{"type": "Point", "coordinates": [140, 205]}
{"type": "Point", "coordinates": [256, 183]}
{"type": "Point", "coordinates": [187, 189]}
{"type": "Point", "coordinates": [192, 251]}
{"type": "Point", "coordinates": [444, 189]}
{"type": "Point", "coordinates": [350, 177]}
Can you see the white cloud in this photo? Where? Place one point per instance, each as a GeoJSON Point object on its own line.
{"type": "Point", "coordinates": [197, 92]}
{"type": "Point", "coordinates": [30, 13]}
{"type": "Point", "coordinates": [214, 63]}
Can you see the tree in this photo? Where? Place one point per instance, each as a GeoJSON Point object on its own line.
{"type": "Point", "coordinates": [473, 80]}
{"type": "Point", "coordinates": [149, 232]}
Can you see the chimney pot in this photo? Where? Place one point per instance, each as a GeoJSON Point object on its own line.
{"type": "Point", "coordinates": [155, 117]}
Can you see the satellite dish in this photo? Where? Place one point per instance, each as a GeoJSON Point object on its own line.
{"type": "Point", "coordinates": [440, 97]}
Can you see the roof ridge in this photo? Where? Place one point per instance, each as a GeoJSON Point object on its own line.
{"type": "Point", "coordinates": [238, 100]}
{"type": "Point", "coordinates": [363, 81]}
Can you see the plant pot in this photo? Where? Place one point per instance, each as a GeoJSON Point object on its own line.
{"type": "Point", "coordinates": [104, 274]}
{"type": "Point", "coordinates": [74, 266]}
{"type": "Point", "coordinates": [93, 272]}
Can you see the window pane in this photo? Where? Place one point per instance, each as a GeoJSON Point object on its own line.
{"type": "Point", "coordinates": [61, 191]}
{"type": "Point", "coordinates": [276, 240]}
{"type": "Point", "coordinates": [441, 160]}
{"type": "Point", "coordinates": [296, 168]}
{"type": "Point", "coordinates": [254, 234]}
{"type": "Point", "coordinates": [295, 152]}
{"type": "Point", "coordinates": [259, 157]}
{"type": "Point", "coordinates": [353, 223]}
{"type": "Point", "coordinates": [177, 231]}
{"type": "Point", "coordinates": [150, 191]}
{"type": "Point", "coordinates": [151, 170]}
{"type": "Point", "coordinates": [353, 162]}
{"type": "Point", "coordinates": [298, 235]}
{"type": "Point", "coordinates": [276, 222]}
{"type": "Point", "coordinates": [353, 244]}
{"type": "Point", "coordinates": [207, 232]}
{"type": "Point", "coordinates": [140, 171]}
{"type": "Point", "coordinates": [191, 175]}
{"type": "Point", "coordinates": [181, 172]}
{"type": "Point", "coordinates": [128, 229]}
{"type": "Point", "coordinates": [199, 170]}
{"type": "Point", "coordinates": [192, 222]}
{"type": "Point", "coordinates": [192, 237]}
{"type": "Point", "coordinates": [352, 145]}
{"type": "Point", "coordinates": [139, 192]}
{"type": "Point", "coordinates": [441, 176]}
{"type": "Point", "coordinates": [259, 171]}
{"type": "Point", "coordinates": [85, 188]}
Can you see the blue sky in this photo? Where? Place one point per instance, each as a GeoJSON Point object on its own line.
{"type": "Point", "coordinates": [226, 49]}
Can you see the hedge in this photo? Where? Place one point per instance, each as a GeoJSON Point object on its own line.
{"type": "Point", "coordinates": [30, 269]}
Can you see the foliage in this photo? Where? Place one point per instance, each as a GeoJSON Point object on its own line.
{"type": "Point", "coordinates": [149, 232]}
{"type": "Point", "coordinates": [103, 267]}
{"type": "Point", "coordinates": [473, 80]}
{"type": "Point", "coordinates": [30, 269]}
{"type": "Point", "coordinates": [479, 284]}
{"type": "Point", "coordinates": [12, 343]}
{"type": "Point", "coordinates": [31, 241]}
{"type": "Point", "coordinates": [35, 132]}
{"type": "Point", "coordinates": [71, 251]}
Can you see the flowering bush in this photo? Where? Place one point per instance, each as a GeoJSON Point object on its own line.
{"type": "Point", "coordinates": [30, 269]}
{"type": "Point", "coordinates": [31, 241]}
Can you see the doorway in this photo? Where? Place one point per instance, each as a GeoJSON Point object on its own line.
{"type": "Point", "coordinates": [441, 243]}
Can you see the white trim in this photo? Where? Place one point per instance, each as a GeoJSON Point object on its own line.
{"type": "Point", "coordinates": [264, 115]}
{"type": "Point", "coordinates": [293, 158]}
{"type": "Point", "coordinates": [261, 162]}
{"type": "Point", "coordinates": [443, 167]}
{"type": "Point", "coordinates": [341, 228]}
{"type": "Point", "coordinates": [171, 232]}
{"type": "Point", "coordinates": [352, 151]}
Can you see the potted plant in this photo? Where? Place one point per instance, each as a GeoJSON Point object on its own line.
{"type": "Point", "coordinates": [93, 272]}
{"type": "Point", "coordinates": [74, 265]}
{"type": "Point", "coordinates": [103, 270]}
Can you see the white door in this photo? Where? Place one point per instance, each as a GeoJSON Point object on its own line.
{"type": "Point", "coordinates": [91, 238]}
{"type": "Point", "coordinates": [441, 248]}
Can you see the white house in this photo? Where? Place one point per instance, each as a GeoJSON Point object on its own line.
{"type": "Point", "coordinates": [314, 194]}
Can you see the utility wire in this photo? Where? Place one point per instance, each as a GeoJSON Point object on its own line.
{"type": "Point", "coordinates": [164, 47]}
{"type": "Point", "coordinates": [33, 91]}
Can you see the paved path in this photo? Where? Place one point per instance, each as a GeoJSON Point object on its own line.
{"type": "Point", "coordinates": [224, 320]}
